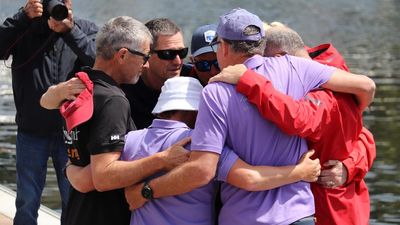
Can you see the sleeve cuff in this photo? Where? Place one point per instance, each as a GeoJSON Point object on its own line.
{"type": "Point", "coordinates": [226, 161]}
{"type": "Point", "coordinates": [349, 164]}
{"type": "Point", "coordinates": [74, 32]}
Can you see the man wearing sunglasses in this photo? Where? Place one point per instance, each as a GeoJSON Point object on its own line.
{"type": "Point", "coordinates": [203, 56]}
{"type": "Point", "coordinates": [94, 145]}
{"type": "Point", "coordinates": [225, 116]}
{"type": "Point", "coordinates": [166, 61]}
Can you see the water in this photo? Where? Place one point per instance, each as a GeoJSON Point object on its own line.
{"type": "Point", "coordinates": [365, 31]}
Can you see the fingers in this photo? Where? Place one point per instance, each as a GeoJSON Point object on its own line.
{"type": "Point", "coordinates": [133, 196]}
{"type": "Point", "coordinates": [308, 155]}
{"type": "Point", "coordinates": [75, 85]}
{"type": "Point", "coordinates": [328, 184]}
{"type": "Point", "coordinates": [71, 88]}
{"type": "Point", "coordinates": [221, 77]}
{"type": "Point", "coordinates": [328, 180]}
{"type": "Point", "coordinates": [317, 172]}
{"type": "Point", "coordinates": [331, 163]}
{"type": "Point", "coordinates": [33, 8]}
{"type": "Point", "coordinates": [311, 152]}
{"type": "Point", "coordinates": [230, 74]}
{"type": "Point", "coordinates": [328, 173]}
{"type": "Point", "coordinates": [61, 26]}
{"type": "Point", "coordinates": [214, 79]}
{"type": "Point", "coordinates": [311, 168]}
{"type": "Point", "coordinates": [336, 173]}
{"type": "Point", "coordinates": [183, 142]}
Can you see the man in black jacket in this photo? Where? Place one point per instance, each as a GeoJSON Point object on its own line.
{"type": "Point", "coordinates": [44, 51]}
{"type": "Point", "coordinates": [166, 61]}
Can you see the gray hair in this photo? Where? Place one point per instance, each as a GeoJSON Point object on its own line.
{"type": "Point", "coordinates": [162, 27]}
{"type": "Point", "coordinates": [250, 48]}
{"type": "Point", "coordinates": [120, 32]}
{"type": "Point", "coordinates": [282, 39]}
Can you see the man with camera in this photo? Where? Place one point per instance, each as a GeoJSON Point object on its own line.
{"type": "Point", "coordinates": [46, 44]}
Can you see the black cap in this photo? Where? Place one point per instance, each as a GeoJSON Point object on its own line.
{"type": "Point", "coordinates": [202, 38]}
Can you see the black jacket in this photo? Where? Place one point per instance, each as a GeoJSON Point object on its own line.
{"type": "Point", "coordinates": [143, 99]}
{"type": "Point", "coordinates": [42, 58]}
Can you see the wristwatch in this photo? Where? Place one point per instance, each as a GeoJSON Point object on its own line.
{"type": "Point", "coordinates": [147, 192]}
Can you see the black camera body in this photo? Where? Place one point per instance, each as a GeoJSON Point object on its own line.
{"type": "Point", "coordinates": [56, 9]}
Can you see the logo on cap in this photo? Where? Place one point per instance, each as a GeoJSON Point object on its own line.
{"type": "Point", "coordinates": [209, 36]}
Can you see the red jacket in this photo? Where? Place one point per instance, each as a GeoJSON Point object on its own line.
{"type": "Point", "coordinates": [332, 124]}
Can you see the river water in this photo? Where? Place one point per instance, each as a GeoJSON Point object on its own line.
{"type": "Point", "coordinates": [365, 31]}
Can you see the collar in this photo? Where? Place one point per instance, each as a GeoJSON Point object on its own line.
{"type": "Point", "coordinates": [167, 124]}
{"type": "Point", "coordinates": [99, 75]}
{"type": "Point", "coordinates": [254, 62]}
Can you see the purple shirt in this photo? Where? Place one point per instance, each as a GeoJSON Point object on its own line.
{"type": "Point", "coordinates": [225, 117]}
{"type": "Point", "coordinates": [192, 208]}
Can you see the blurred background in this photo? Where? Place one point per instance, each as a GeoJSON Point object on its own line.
{"type": "Point", "coordinates": [366, 32]}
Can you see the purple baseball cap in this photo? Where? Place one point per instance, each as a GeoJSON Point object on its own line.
{"type": "Point", "coordinates": [232, 25]}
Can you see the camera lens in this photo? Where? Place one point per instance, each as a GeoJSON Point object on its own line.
{"type": "Point", "coordinates": [57, 10]}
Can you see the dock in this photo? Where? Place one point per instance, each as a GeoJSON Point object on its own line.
{"type": "Point", "coordinates": [47, 216]}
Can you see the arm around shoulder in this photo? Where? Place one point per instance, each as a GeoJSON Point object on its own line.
{"type": "Point", "coordinates": [80, 178]}
{"type": "Point", "coordinates": [197, 172]}
{"type": "Point", "coordinates": [261, 178]}
{"type": "Point", "coordinates": [361, 86]}
{"type": "Point", "coordinates": [52, 98]}
{"type": "Point", "coordinates": [57, 94]}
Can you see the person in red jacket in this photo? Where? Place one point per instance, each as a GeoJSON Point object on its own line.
{"type": "Point", "coordinates": [331, 122]}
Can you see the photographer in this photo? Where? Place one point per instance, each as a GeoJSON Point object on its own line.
{"type": "Point", "coordinates": [44, 52]}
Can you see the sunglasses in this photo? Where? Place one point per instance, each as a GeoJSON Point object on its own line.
{"type": "Point", "coordinates": [214, 43]}
{"type": "Point", "coordinates": [205, 66]}
{"type": "Point", "coordinates": [170, 54]}
{"type": "Point", "coordinates": [144, 56]}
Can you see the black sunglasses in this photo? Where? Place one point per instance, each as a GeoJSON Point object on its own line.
{"type": "Point", "coordinates": [145, 57]}
{"type": "Point", "coordinates": [205, 66]}
{"type": "Point", "coordinates": [214, 43]}
{"type": "Point", "coordinates": [170, 54]}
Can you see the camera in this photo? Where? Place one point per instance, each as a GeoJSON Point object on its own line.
{"type": "Point", "coordinates": [56, 9]}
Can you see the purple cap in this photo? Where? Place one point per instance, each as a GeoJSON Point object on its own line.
{"type": "Point", "coordinates": [232, 25]}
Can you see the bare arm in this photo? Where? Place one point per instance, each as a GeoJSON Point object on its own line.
{"type": "Point", "coordinates": [198, 171]}
{"type": "Point", "coordinates": [111, 173]}
{"type": "Point", "coordinates": [361, 86]}
{"type": "Point", "coordinates": [80, 178]}
{"type": "Point", "coordinates": [57, 94]}
{"type": "Point", "coordinates": [260, 178]}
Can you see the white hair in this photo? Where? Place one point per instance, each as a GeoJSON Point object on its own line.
{"type": "Point", "coordinates": [119, 32]}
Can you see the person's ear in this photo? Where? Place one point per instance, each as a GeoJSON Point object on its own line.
{"type": "Point", "coordinates": [120, 55]}
{"type": "Point", "coordinates": [226, 48]}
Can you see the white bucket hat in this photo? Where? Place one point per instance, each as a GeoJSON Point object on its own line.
{"type": "Point", "coordinates": [179, 93]}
